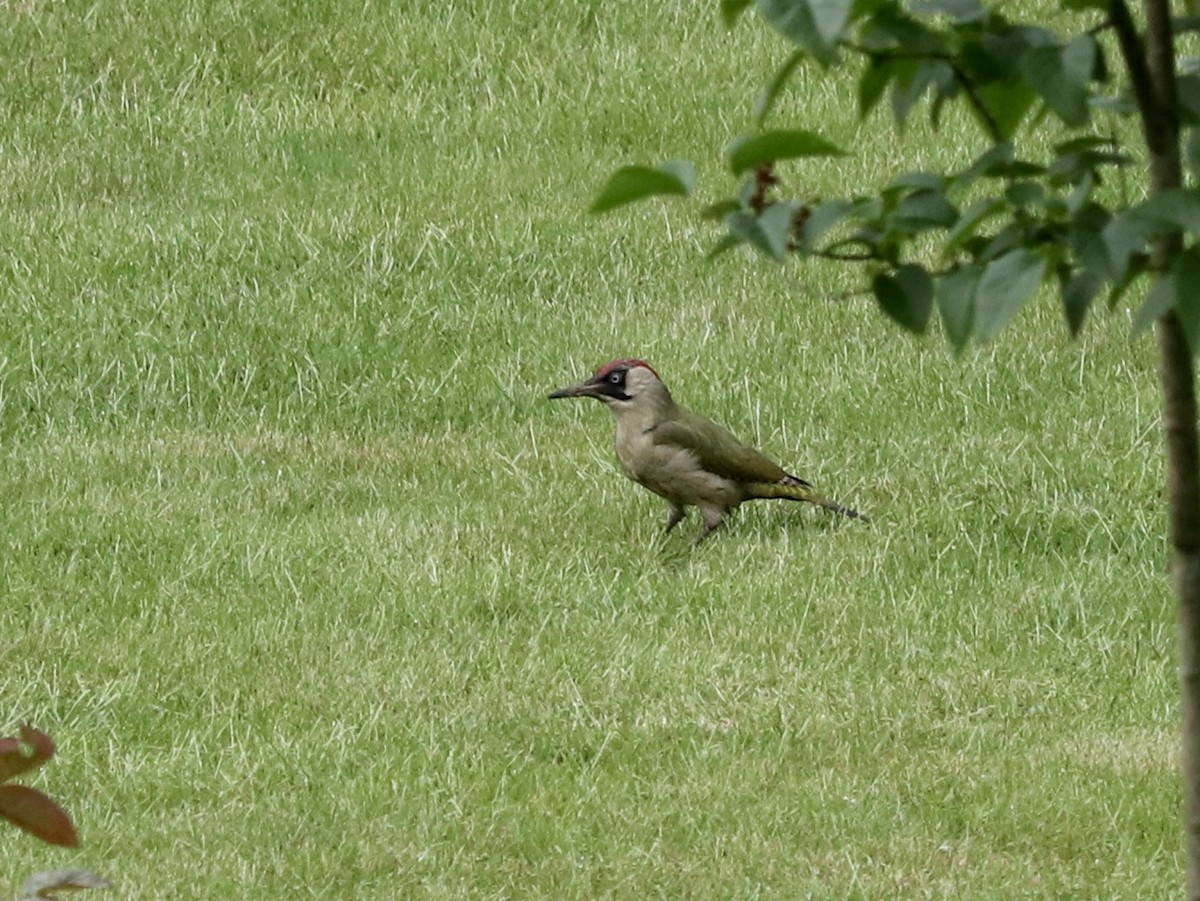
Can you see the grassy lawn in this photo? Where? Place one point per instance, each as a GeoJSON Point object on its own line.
{"type": "Point", "coordinates": [320, 597]}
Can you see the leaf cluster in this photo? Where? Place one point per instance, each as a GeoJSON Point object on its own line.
{"type": "Point", "coordinates": [38, 813]}
{"type": "Point", "coordinates": [25, 807]}
{"type": "Point", "coordinates": [1008, 222]}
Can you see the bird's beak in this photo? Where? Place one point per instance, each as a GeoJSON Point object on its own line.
{"type": "Point", "coordinates": [583, 389]}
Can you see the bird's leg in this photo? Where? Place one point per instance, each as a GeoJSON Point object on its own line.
{"type": "Point", "coordinates": [713, 517]}
{"type": "Point", "coordinates": [675, 515]}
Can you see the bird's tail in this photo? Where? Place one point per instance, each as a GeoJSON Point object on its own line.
{"type": "Point", "coordinates": [794, 489]}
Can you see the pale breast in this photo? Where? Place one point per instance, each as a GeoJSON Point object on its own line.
{"type": "Point", "coordinates": [674, 473]}
{"type": "Point", "coordinates": [637, 454]}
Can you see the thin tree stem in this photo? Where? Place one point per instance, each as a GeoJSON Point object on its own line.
{"type": "Point", "coordinates": [1177, 379]}
{"type": "Point", "coordinates": [1136, 63]}
{"type": "Point", "coordinates": [1152, 72]}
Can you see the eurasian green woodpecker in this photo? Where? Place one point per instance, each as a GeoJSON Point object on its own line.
{"type": "Point", "coordinates": [684, 458]}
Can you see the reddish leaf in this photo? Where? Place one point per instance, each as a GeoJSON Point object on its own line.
{"type": "Point", "coordinates": [28, 752]}
{"type": "Point", "coordinates": [37, 814]}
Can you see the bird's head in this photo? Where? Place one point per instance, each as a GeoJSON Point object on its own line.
{"type": "Point", "coordinates": [621, 384]}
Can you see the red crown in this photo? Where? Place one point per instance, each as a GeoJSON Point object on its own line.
{"type": "Point", "coordinates": [627, 364]}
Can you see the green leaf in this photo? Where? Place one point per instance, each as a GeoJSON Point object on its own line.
{"type": "Point", "coordinates": [766, 100]}
{"type": "Point", "coordinates": [816, 25]}
{"type": "Point", "coordinates": [1138, 266]}
{"type": "Point", "coordinates": [919, 180]}
{"type": "Point", "coordinates": [906, 296]}
{"type": "Point", "coordinates": [1006, 240]}
{"type": "Point", "coordinates": [728, 242]}
{"type": "Point", "coordinates": [874, 81]}
{"type": "Point", "coordinates": [822, 218]}
{"type": "Point", "coordinates": [770, 232]}
{"type": "Point", "coordinates": [1186, 274]}
{"type": "Point", "coordinates": [995, 160]}
{"type": "Point", "coordinates": [1025, 193]}
{"type": "Point", "coordinates": [1177, 207]}
{"type": "Point", "coordinates": [1004, 287]}
{"type": "Point", "coordinates": [1189, 99]}
{"type": "Point", "coordinates": [963, 12]}
{"type": "Point", "coordinates": [1078, 292]}
{"type": "Point", "coordinates": [1008, 44]}
{"type": "Point", "coordinates": [638, 182]}
{"type": "Point", "coordinates": [969, 221]}
{"type": "Point", "coordinates": [890, 28]}
{"type": "Point", "coordinates": [1125, 236]}
{"type": "Point", "coordinates": [1080, 194]}
{"type": "Point", "coordinates": [1085, 236]}
{"type": "Point", "coordinates": [923, 210]}
{"type": "Point", "coordinates": [1159, 299]}
{"type": "Point", "coordinates": [912, 81]}
{"type": "Point", "coordinates": [1008, 102]}
{"type": "Point", "coordinates": [731, 9]}
{"type": "Point", "coordinates": [939, 103]}
{"type": "Point", "coordinates": [1084, 144]}
{"type": "Point", "coordinates": [1081, 59]}
{"type": "Point", "coordinates": [720, 209]}
{"type": "Point", "coordinates": [1071, 167]}
{"type": "Point", "coordinates": [747, 152]}
{"type": "Point", "coordinates": [956, 304]}
{"type": "Point", "coordinates": [1060, 75]}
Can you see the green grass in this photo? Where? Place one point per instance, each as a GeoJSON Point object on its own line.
{"type": "Point", "coordinates": [321, 598]}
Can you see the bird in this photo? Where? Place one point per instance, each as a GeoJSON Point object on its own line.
{"type": "Point", "coordinates": [684, 458]}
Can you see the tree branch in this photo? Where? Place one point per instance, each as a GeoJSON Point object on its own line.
{"type": "Point", "coordinates": [1151, 104]}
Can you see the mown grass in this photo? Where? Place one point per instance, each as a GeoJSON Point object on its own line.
{"type": "Point", "coordinates": [320, 597]}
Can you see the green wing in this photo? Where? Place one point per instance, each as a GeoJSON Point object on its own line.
{"type": "Point", "coordinates": [717, 449]}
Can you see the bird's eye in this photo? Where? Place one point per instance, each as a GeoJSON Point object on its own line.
{"type": "Point", "coordinates": [616, 377]}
